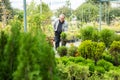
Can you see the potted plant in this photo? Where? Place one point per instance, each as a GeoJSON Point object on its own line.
{"type": "Point", "coordinates": [63, 38]}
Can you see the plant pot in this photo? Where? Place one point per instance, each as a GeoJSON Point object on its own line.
{"type": "Point", "coordinates": [63, 42]}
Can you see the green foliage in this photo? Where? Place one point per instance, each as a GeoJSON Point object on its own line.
{"type": "Point", "coordinates": [91, 68]}
{"type": "Point", "coordinates": [87, 12]}
{"type": "Point", "coordinates": [72, 51]}
{"type": "Point", "coordinates": [31, 64]}
{"type": "Point", "coordinates": [91, 50]}
{"type": "Point", "coordinates": [79, 59]}
{"type": "Point", "coordinates": [28, 65]}
{"type": "Point", "coordinates": [86, 33]}
{"type": "Point", "coordinates": [93, 1]}
{"type": "Point", "coordinates": [114, 12]}
{"type": "Point", "coordinates": [99, 49]}
{"type": "Point", "coordinates": [63, 38]}
{"type": "Point", "coordinates": [117, 37]}
{"type": "Point", "coordinates": [105, 64]}
{"type": "Point", "coordinates": [25, 56]}
{"type": "Point", "coordinates": [3, 41]}
{"type": "Point", "coordinates": [70, 70]}
{"type": "Point", "coordinates": [32, 9]}
{"type": "Point", "coordinates": [62, 51]}
{"type": "Point", "coordinates": [113, 74]}
{"type": "Point", "coordinates": [19, 14]}
{"type": "Point", "coordinates": [107, 36]}
{"type": "Point", "coordinates": [94, 77]}
{"type": "Point", "coordinates": [115, 51]}
{"type": "Point", "coordinates": [79, 72]}
{"type": "Point", "coordinates": [107, 56]}
{"type": "Point", "coordinates": [99, 70]}
{"type": "Point", "coordinates": [37, 19]}
{"type": "Point", "coordinates": [65, 10]}
{"type": "Point", "coordinates": [95, 35]}
{"type": "Point", "coordinates": [7, 7]}
{"type": "Point", "coordinates": [61, 71]}
{"type": "Point", "coordinates": [115, 47]}
{"type": "Point", "coordinates": [3, 69]}
{"type": "Point", "coordinates": [85, 49]}
{"type": "Point", "coordinates": [7, 4]}
{"type": "Point", "coordinates": [10, 50]}
{"type": "Point", "coordinates": [63, 35]}
{"type": "Point", "coordinates": [89, 33]}
{"type": "Point", "coordinates": [80, 68]}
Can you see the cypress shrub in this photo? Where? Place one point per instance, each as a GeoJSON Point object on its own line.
{"type": "Point", "coordinates": [3, 65]}
{"type": "Point", "coordinates": [115, 52]}
{"type": "Point", "coordinates": [25, 55]}
{"type": "Point", "coordinates": [62, 51]}
{"type": "Point", "coordinates": [107, 36]}
{"type": "Point", "coordinates": [91, 50]}
{"type": "Point", "coordinates": [9, 46]}
{"type": "Point", "coordinates": [35, 59]}
{"type": "Point", "coordinates": [90, 33]}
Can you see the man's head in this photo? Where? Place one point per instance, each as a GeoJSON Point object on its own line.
{"type": "Point", "coordinates": [62, 17]}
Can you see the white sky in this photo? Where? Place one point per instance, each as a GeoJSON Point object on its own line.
{"type": "Point", "coordinates": [55, 4]}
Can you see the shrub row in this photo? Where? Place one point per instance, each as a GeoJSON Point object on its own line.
{"type": "Point", "coordinates": [105, 35]}
{"type": "Point", "coordinates": [79, 68]}
{"type": "Point", "coordinates": [93, 50]}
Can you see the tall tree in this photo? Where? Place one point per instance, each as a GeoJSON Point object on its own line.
{"type": "Point", "coordinates": [65, 10]}
{"type": "Point", "coordinates": [5, 5]}
{"type": "Point", "coordinates": [87, 12]}
{"type": "Point", "coordinates": [96, 2]}
{"type": "Point", "coordinates": [34, 10]}
{"type": "Point", "coordinates": [92, 1]}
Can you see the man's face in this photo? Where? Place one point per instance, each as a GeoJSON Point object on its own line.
{"type": "Point", "coordinates": [62, 18]}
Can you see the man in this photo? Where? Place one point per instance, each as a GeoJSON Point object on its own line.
{"type": "Point", "coordinates": [60, 26]}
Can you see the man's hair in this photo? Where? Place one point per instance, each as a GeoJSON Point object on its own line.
{"type": "Point", "coordinates": [62, 15]}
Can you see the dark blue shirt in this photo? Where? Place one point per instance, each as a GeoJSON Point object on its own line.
{"type": "Point", "coordinates": [59, 28]}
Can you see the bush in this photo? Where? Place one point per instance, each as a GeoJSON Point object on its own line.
{"type": "Point", "coordinates": [79, 59]}
{"type": "Point", "coordinates": [106, 65]}
{"type": "Point", "coordinates": [96, 36]}
{"type": "Point", "coordinates": [91, 50]}
{"type": "Point", "coordinates": [113, 74]}
{"type": "Point", "coordinates": [61, 72]}
{"type": "Point", "coordinates": [85, 49]}
{"type": "Point", "coordinates": [72, 51]}
{"type": "Point", "coordinates": [72, 70]}
{"type": "Point", "coordinates": [107, 56]}
{"type": "Point", "coordinates": [63, 35]}
{"type": "Point", "coordinates": [99, 70]}
{"type": "Point", "coordinates": [107, 36]}
{"type": "Point", "coordinates": [37, 61]}
{"type": "Point", "coordinates": [63, 38]}
{"type": "Point", "coordinates": [78, 68]}
{"type": "Point", "coordinates": [91, 65]}
{"type": "Point", "coordinates": [90, 33]}
{"type": "Point", "coordinates": [78, 71]}
{"type": "Point", "coordinates": [117, 37]}
{"type": "Point", "coordinates": [94, 77]}
{"type": "Point", "coordinates": [4, 71]}
{"type": "Point", "coordinates": [62, 51]}
{"type": "Point", "coordinates": [86, 33]}
{"type": "Point", "coordinates": [25, 56]}
{"type": "Point", "coordinates": [115, 52]}
{"type": "Point", "coordinates": [10, 46]}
